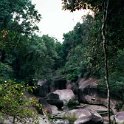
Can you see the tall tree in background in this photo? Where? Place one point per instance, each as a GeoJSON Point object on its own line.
{"type": "Point", "coordinates": [78, 59]}
{"type": "Point", "coordinates": [20, 16]}
{"type": "Point", "coordinates": [18, 21]}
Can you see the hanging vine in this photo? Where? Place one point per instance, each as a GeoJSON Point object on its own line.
{"type": "Point", "coordinates": [105, 15]}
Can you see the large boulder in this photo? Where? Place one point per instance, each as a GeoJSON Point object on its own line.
{"type": "Point", "coordinates": [87, 90]}
{"type": "Point", "coordinates": [96, 118]}
{"type": "Point", "coordinates": [80, 115]}
{"type": "Point", "coordinates": [65, 95]}
{"type": "Point", "coordinates": [84, 116]}
{"type": "Point", "coordinates": [43, 88]}
{"type": "Point", "coordinates": [53, 99]}
{"type": "Point", "coordinates": [50, 109]}
{"type": "Point", "coordinates": [102, 110]}
{"type": "Point", "coordinates": [60, 97]}
{"type": "Point", "coordinates": [58, 84]}
{"type": "Point", "coordinates": [119, 118]}
{"type": "Point", "coordinates": [46, 86]}
{"type": "Point", "coordinates": [73, 86]}
{"type": "Point", "coordinates": [88, 93]}
{"type": "Point", "coordinates": [45, 106]}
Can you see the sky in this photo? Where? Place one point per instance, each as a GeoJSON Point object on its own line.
{"type": "Point", "coordinates": [56, 21]}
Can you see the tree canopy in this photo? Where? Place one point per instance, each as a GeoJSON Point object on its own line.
{"type": "Point", "coordinates": [25, 56]}
{"type": "Point", "coordinates": [20, 16]}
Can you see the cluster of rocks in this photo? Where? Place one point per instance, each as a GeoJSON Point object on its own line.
{"type": "Point", "coordinates": [75, 102]}
{"type": "Point", "coordinates": [66, 102]}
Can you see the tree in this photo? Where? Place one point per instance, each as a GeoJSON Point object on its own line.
{"type": "Point", "coordinates": [105, 15]}
{"type": "Point", "coordinates": [73, 5]}
{"type": "Point", "coordinates": [111, 32]}
{"type": "Point", "coordinates": [19, 16]}
{"type": "Point", "coordinates": [82, 49]}
{"type": "Point", "coordinates": [35, 57]}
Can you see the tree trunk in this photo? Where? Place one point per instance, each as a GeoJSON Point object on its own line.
{"type": "Point", "coordinates": [14, 119]}
{"type": "Point", "coordinates": [106, 4]}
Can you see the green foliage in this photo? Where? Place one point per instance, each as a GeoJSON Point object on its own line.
{"type": "Point", "coordinates": [25, 56]}
{"type": "Point", "coordinates": [19, 16]}
{"type": "Point", "coordinates": [116, 78]}
{"type": "Point", "coordinates": [39, 58]}
{"type": "Point", "coordinates": [73, 5]}
{"type": "Point", "coordinates": [93, 46]}
{"type": "Point", "coordinates": [72, 103]}
{"type": "Point", "coordinates": [74, 62]}
{"type": "Point", "coordinates": [71, 118]}
{"type": "Point", "coordinates": [81, 49]}
{"type": "Point", "coordinates": [116, 86]}
{"type": "Point", "coordinates": [6, 71]}
{"type": "Point", "coordinates": [14, 101]}
{"type": "Point", "coordinates": [31, 57]}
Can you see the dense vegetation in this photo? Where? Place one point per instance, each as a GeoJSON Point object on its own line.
{"type": "Point", "coordinates": [114, 37]}
{"type": "Point", "coordinates": [24, 56]}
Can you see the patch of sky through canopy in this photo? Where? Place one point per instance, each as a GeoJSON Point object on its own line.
{"type": "Point", "coordinates": [56, 21]}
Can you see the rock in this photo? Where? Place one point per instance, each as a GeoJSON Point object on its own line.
{"type": "Point", "coordinates": [41, 82]}
{"type": "Point", "coordinates": [73, 86]}
{"type": "Point", "coordinates": [96, 111]}
{"type": "Point", "coordinates": [57, 103]}
{"type": "Point", "coordinates": [43, 101]}
{"type": "Point", "coordinates": [45, 106]}
{"type": "Point", "coordinates": [54, 109]}
{"type": "Point", "coordinates": [43, 120]}
{"type": "Point", "coordinates": [53, 99]}
{"type": "Point", "coordinates": [9, 120]}
{"type": "Point", "coordinates": [88, 93]}
{"type": "Point", "coordinates": [83, 116]}
{"type": "Point", "coordinates": [60, 97]}
{"type": "Point", "coordinates": [74, 115]}
{"type": "Point", "coordinates": [119, 118]}
{"type": "Point", "coordinates": [43, 88]}
{"type": "Point", "coordinates": [82, 121]}
{"type": "Point", "coordinates": [79, 115]}
{"type": "Point", "coordinates": [51, 109]}
{"type": "Point", "coordinates": [65, 95]}
{"type": "Point", "coordinates": [69, 85]}
{"type": "Point", "coordinates": [87, 90]}
{"type": "Point", "coordinates": [58, 84]}
{"type": "Point", "coordinates": [96, 118]}
{"type": "Point", "coordinates": [102, 110]}
{"type": "Point", "coordinates": [61, 121]}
